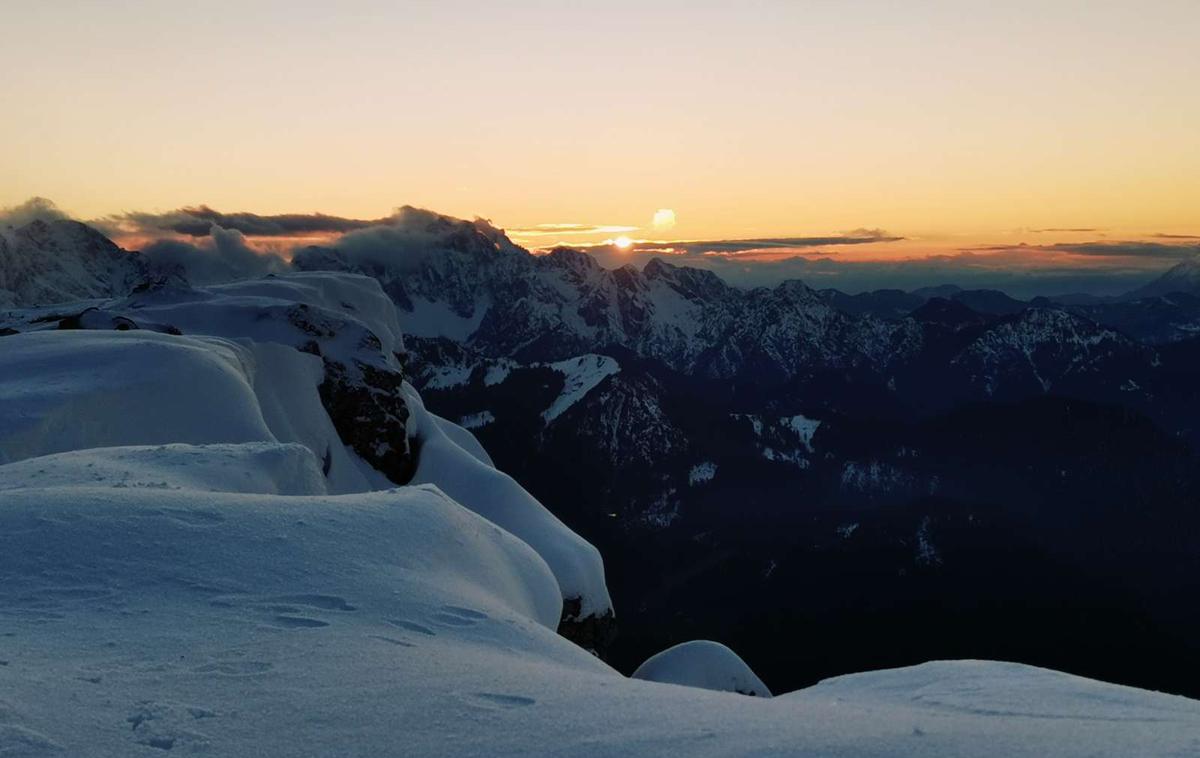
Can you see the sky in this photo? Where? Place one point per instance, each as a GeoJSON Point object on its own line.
{"type": "Point", "coordinates": [939, 128]}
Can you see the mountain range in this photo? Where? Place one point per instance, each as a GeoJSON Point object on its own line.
{"type": "Point", "coordinates": [948, 468]}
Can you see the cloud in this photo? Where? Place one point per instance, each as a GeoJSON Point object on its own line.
{"type": "Point", "coordinates": [1105, 249]}
{"type": "Point", "coordinates": [865, 233]}
{"type": "Point", "coordinates": [1102, 268]}
{"type": "Point", "coordinates": [33, 209]}
{"type": "Point", "coordinates": [968, 270]}
{"type": "Point", "coordinates": [758, 249]}
{"type": "Point", "coordinates": [1061, 230]}
{"type": "Point", "coordinates": [1160, 235]}
{"type": "Point", "coordinates": [785, 243]}
{"type": "Point", "coordinates": [545, 230]}
{"type": "Point", "coordinates": [224, 256]}
{"type": "Point", "coordinates": [405, 239]}
{"type": "Point", "coordinates": [197, 221]}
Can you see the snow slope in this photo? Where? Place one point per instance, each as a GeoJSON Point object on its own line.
{"type": "Point", "coordinates": [137, 621]}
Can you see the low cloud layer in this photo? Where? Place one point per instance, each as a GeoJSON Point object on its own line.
{"type": "Point", "coordinates": [547, 230]}
{"type": "Point", "coordinates": [1021, 271]}
{"type": "Point", "coordinates": [849, 263]}
{"type": "Point", "coordinates": [197, 222]}
{"type": "Point", "coordinates": [222, 256]}
{"type": "Point", "coordinates": [1146, 251]}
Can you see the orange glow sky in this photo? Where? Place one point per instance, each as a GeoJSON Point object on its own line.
{"type": "Point", "coordinates": [951, 124]}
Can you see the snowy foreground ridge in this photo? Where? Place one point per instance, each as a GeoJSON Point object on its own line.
{"type": "Point", "coordinates": [194, 563]}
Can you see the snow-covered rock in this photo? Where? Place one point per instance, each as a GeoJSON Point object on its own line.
{"type": "Point", "coordinates": [294, 356]}
{"type": "Point", "coordinates": [704, 664]}
{"type": "Point", "coordinates": [336, 331]}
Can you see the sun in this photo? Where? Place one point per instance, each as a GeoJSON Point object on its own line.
{"type": "Point", "coordinates": [623, 243]}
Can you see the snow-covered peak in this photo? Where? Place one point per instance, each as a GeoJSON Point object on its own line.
{"type": "Point", "coordinates": [53, 261]}
{"type": "Point", "coordinates": [1182, 277]}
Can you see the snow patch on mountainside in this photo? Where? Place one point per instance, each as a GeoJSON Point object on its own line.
{"type": "Point", "coordinates": [477, 420]}
{"type": "Point", "coordinates": [437, 319]}
{"type": "Point", "coordinates": [702, 472]}
{"type": "Point", "coordinates": [581, 374]}
{"type": "Point", "coordinates": [804, 428]}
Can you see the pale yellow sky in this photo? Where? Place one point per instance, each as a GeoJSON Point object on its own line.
{"type": "Point", "coordinates": [938, 120]}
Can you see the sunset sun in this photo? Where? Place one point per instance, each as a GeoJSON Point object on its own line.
{"type": "Point", "coordinates": [623, 243]}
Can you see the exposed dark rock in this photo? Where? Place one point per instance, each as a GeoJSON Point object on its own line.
{"type": "Point", "coordinates": [593, 633]}
{"type": "Point", "coordinates": [365, 402]}
{"type": "Point", "coordinates": [368, 411]}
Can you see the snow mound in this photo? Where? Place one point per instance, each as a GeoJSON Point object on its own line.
{"type": "Point", "coordinates": [268, 468]}
{"type": "Point", "coordinates": [703, 664]}
{"type": "Point", "coordinates": [69, 390]}
{"type": "Point", "coordinates": [250, 548]}
{"type": "Point", "coordinates": [497, 497]}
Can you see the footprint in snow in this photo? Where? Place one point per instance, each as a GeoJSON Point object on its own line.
{"type": "Point", "coordinates": [412, 627]}
{"type": "Point", "coordinates": [323, 602]}
{"type": "Point", "coordinates": [298, 622]}
{"type": "Point", "coordinates": [453, 615]}
{"type": "Point", "coordinates": [17, 740]}
{"type": "Point", "coordinates": [391, 640]}
{"type": "Point", "coordinates": [498, 701]}
{"type": "Point", "coordinates": [234, 668]}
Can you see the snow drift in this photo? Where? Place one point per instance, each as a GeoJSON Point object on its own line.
{"type": "Point", "coordinates": [704, 664]}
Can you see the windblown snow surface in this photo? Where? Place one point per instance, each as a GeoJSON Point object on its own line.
{"type": "Point", "coordinates": [181, 576]}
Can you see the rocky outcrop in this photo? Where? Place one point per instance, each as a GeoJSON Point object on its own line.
{"type": "Point", "coordinates": [367, 407]}
{"type": "Point", "coordinates": [595, 632]}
